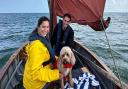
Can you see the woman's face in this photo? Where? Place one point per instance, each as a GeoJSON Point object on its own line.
{"type": "Point", "coordinates": [43, 29]}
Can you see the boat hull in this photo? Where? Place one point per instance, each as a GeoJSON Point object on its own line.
{"type": "Point", "coordinates": [12, 73]}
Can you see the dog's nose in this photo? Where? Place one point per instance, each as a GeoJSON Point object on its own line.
{"type": "Point", "coordinates": [64, 61]}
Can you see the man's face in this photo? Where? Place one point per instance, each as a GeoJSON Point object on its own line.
{"type": "Point", "coordinates": [66, 21]}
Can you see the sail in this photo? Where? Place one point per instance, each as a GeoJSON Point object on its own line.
{"type": "Point", "coordinates": [85, 12]}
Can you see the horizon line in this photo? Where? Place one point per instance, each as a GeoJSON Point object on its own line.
{"type": "Point", "coordinates": [48, 12]}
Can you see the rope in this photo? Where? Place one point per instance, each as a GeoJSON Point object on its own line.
{"type": "Point", "coordinates": [116, 69]}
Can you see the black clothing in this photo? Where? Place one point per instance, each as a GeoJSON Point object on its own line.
{"type": "Point", "coordinates": [62, 37]}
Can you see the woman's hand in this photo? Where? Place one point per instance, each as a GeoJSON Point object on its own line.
{"type": "Point", "coordinates": [61, 75]}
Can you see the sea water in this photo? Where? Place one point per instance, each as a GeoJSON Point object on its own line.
{"type": "Point", "coordinates": [16, 27]}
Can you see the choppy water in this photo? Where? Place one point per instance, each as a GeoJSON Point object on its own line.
{"type": "Point", "coordinates": [15, 28]}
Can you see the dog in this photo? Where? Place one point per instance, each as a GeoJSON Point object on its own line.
{"type": "Point", "coordinates": [66, 62]}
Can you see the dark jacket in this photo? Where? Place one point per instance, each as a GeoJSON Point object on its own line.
{"type": "Point", "coordinates": [62, 38]}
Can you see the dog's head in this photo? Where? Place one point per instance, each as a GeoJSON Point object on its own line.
{"type": "Point", "coordinates": [67, 56]}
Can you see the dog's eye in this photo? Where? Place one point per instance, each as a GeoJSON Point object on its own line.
{"type": "Point", "coordinates": [63, 55]}
{"type": "Point", "coordinates": [67, 54]}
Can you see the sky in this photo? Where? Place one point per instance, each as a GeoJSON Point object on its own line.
{"type": "Point", "coordinates": [41, 6]}
{"type": "Point", "coordinates": [23, 6]}
{"type": "Point", "coordinates": [116, 6]}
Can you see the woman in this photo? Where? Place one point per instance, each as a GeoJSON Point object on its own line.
{"type": "Point", "coordinates": [39, 56]}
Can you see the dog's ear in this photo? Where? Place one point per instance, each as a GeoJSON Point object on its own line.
{"type": "Point", "coordinates": [59, 64]}
{"type": "Point", "coordinates": [59, 58]}
{"type": "Point", "coordinates": [73, 59]}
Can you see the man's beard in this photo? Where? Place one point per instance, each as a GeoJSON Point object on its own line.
{"type": "Point", "coordinates": [64, 28]}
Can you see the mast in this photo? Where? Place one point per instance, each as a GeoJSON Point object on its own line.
{"type": "Point", "coordinates": [53, 20]}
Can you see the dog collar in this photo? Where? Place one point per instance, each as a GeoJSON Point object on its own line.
{"type": "Point", "coordinates": [69, 65]}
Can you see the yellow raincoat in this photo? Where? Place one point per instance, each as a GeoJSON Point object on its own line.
{"type": "Point", "coordinates": [35, 75]}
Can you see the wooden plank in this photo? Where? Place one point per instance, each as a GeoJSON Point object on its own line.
{"type": "Point", "coordinates": [5, 68]}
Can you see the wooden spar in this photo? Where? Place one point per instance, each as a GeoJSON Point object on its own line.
{"type": "Point", "coordinates": [53, 19]}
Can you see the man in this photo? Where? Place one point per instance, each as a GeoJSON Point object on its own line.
{"type": "Point", "coordinates": [63, 34]}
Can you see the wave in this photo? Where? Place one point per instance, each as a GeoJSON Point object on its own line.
{"type": "Point", "coordinates": [8, 50]}
{"type": "Point", "coordinates": [4, 59]}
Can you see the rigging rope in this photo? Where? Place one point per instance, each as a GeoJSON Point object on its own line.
{"type": "Point", "coordinates": [116, 69]}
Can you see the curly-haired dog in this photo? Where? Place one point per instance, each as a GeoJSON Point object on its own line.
{"type": "Point", "coordinates": [66, 62]}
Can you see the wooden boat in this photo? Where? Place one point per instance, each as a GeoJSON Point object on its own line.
{"type": "Point", "coordinates": [11, 74]}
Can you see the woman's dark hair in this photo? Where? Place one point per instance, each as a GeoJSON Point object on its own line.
{"type": "Point", "coordinates": [67, 15]}
{"type": "Point", "coordinates": [40, 20]}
